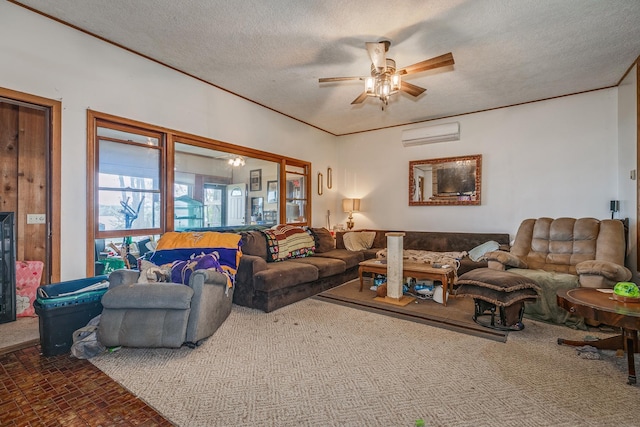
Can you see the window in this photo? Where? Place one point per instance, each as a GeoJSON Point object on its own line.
{"type": "Point", "coordinates": [128, 185]}
{"type": "Point", "coordinates": [144, 180]}
{"type": "Point", "coordinates": [296, 194]}
{"type": "Point", "coordinates": [125, 170]}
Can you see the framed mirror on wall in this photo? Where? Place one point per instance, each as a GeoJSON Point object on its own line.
{"type": "Point", "coordinates": [445, 181]}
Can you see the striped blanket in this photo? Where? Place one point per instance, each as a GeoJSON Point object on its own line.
{"type": "Point", "coordinates": [288, 241]}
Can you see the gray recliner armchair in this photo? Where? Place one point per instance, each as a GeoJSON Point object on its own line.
{"type": "Point", "coordinates": [163, 314]}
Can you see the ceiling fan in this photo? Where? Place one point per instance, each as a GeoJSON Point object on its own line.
{"type": "Point", "coordinates": [385, 79]}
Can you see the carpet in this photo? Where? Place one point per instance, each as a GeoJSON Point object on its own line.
{"type": "Point", "coordinates": [315, 363]}
{"type": "Point", "coordinates": [456, 315]}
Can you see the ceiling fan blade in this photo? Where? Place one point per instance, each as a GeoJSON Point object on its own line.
{"type": "Point", "coordinates": [412, 90]}
{"type": "Point", "coordinates": [360, 98]}
{"type": "Point", "coordinates": [429, 64]}
{"type": "Point", "coordinates": [377, 53]}
{"type": "Point", "coordinates": [338, 79]}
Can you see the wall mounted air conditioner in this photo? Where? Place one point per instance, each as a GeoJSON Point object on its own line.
{"type": "Point", "coordinates": [431, 134]}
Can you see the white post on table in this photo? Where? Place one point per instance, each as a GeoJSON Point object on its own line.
{"type": "Point", "coordinates": [394, 265]}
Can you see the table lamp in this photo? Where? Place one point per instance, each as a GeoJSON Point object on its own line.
{"type": "Point", "coordinates": [351, 206]}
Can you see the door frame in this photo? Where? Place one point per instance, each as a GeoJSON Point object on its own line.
{"type": "Point", "coordinates": [55, 140]}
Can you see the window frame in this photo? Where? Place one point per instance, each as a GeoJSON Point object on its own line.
{"type": "Point", "coordinates": [110, 234]}
{"type": "Point", "coordinates": [167, 176]}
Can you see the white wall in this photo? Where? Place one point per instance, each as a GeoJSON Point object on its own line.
{"type": "Point", "coordinates": [550, 158]}
{"type": "Point", "coordinates": [47, 59]}
{"type": "Point", "coordinates": [627, 142]}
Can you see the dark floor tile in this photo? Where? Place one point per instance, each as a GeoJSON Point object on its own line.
{"type": "Point", "coordinates": [65, 391]}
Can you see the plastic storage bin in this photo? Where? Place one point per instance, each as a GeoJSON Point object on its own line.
{"type": "Point", "coordinates": [60, 315]}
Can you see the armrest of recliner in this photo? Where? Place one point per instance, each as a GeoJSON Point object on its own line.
{"type": "Point", "coordinates": [208, 276]}
{"type": "Point", "coordinates": [609, 270]}
{"type": "Point", "coordinates": [123, 277]}
{"type": "Point", "coordinates": [210, 305]}
{"type": "Point", "coordinates": [501, 260]}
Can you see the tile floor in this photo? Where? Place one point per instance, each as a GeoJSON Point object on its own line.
{"type": "Point", "coordinates": [65, 391]}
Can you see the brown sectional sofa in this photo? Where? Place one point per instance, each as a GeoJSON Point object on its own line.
{"type": "Point", "coordinates": [268, 286]}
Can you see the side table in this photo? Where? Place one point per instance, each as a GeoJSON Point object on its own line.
{"type": "Point", "coordinates": [599, 305]}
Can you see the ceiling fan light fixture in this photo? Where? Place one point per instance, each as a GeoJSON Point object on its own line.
{"type": "Point", "coordinates": [385, 79]}
{"type": "Point", "coordinates": [370, 86]}
{"type": "Point", "coordinates": [396, 82]}
{"type": "Point", "coordinates": [383, 85]}
{"type": "Point", "coordinates": [236, 161]}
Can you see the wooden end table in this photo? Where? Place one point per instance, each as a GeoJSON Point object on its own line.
{"type": "Point", "coordinates": [412, 269]}
{"type": "Point", "coordinates": [602, 307]}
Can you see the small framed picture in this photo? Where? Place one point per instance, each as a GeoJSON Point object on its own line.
{"type": "Point", "coordinates": [255, 180]}
{"type": "Point", "coordinates": [257, 206]}
{"type": "Point", "coordinates": [272, 191]}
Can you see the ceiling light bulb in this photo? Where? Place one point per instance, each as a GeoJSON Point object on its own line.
{"type": "Point", "coordinates": [369, 85]}
{"type": "Point", "coordinates": [396, 81]}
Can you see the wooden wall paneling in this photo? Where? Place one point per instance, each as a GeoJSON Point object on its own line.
{"type": "Point", "coordinates": [8, 157]}
{"type": "Point", "coordinates": [32, 183]}
{"type": "Point", "coordinates": [53, 109]}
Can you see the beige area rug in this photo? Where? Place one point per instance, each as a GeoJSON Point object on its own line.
{"type": "Point", "coordinates": [22, 333]}
{"type": "Point", "coordinates": [457, 315]}
{"type": "Point", "coordinates": [315, 363]}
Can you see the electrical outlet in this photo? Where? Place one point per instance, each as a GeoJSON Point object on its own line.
{"type": "Point", "coordinates": [36, 218]}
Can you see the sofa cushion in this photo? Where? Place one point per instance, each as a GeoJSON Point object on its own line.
{"type": "Point", "coordinates": [350, 258]}
{"type": "Point", "coordinates": [326, 266]}
{"type": "Point", "coordinates": [254, 243]}
{"type": "Point", "coordinates": [284, 274]}
{"type": "Point", "coordinates": [358, 241]}
{"type": "Point", "coordinates": [324, 240]}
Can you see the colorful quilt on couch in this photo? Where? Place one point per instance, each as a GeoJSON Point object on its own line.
{"type": "Point", "coordinates": [288, 241]}
{"type": "Point", "coordinates": [185, 246]}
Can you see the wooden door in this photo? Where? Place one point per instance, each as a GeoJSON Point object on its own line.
{"type": "Point", "coordinates": [236, 204]}
{"type": "Point", "coordinates": [24, 179]}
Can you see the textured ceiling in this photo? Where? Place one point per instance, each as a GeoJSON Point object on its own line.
{"type": "Point", "coordinates": [273, 52]}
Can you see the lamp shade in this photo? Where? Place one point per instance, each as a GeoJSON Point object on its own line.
{"type": "Point", "coordinates": [351, 205]}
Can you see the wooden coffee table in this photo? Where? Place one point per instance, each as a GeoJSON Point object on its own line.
{"type": "Point", "coordinates": [412, 269]}
{"type": "Point", "coordinates": [602, 307]}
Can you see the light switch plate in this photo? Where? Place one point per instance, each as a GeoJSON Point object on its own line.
{"type": "Point", "coordinates": [36, 218]}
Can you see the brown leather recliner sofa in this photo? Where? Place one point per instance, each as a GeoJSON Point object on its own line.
{"type": "Point", "coordinates": [565, 253]}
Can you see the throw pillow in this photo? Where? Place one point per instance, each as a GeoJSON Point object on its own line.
{"type": "Point", "coordinates": [28, 275]}
{"type": "Point", "coordinates": [323, 239]}
{"type": "Point", "coordinates": [358, 241]}
{"type": "Point", "coordinates": [477, 253]}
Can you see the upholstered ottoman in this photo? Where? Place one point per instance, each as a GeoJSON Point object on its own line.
{"type": "Point", "coordinates": [501, 291]}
